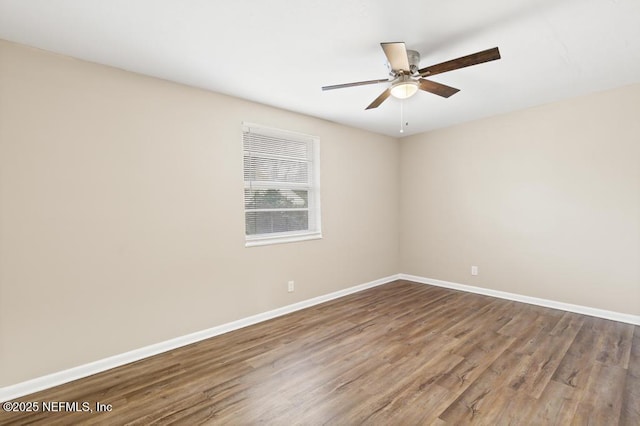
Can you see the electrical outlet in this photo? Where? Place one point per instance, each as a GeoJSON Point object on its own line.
{"type": "Point", "coordinates": [290, 286]}
{"type": "Point", "coordinates": [474, 270]}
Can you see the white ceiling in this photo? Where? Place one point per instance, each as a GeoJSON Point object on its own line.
{"type": "Point", "coordinates": [280, 52]}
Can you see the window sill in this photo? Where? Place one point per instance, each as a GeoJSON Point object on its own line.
{"type": "Point", "coordinates": [265, 241]}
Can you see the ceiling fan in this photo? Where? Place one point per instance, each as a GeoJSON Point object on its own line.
{"type": "Point", "coordinates": [407, 78]}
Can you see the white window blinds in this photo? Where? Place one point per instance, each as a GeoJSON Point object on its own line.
{"type": "Point", "coordinates": [281, 185]}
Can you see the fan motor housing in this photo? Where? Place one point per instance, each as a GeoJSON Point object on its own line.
{"type": "Point", "coordinates": [414, 61]}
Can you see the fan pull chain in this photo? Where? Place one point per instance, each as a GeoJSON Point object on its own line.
{"type": "Point", "coordinates": [402, 116]}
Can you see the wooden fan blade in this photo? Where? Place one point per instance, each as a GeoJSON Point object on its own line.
{"type": "Point", "coordinates": [396, 54]}
{"type": "Point", "coordinates": [437, 88]}
{"type": "Point", "coordinates": [380, 99]}
{"type": "Point", "coordinates": [464, 61]}
{"type": "Point", "coordinates": [358, 83]}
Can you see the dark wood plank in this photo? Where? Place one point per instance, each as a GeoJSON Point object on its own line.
{"type": "Point", "coordinates": [630, 410]}
{"type": "Point", "coordinates": [556, 406]}
{"type": "Point", "coordinates": [478, 401]}
{"type": "Point", "coordinates": [401, 353]}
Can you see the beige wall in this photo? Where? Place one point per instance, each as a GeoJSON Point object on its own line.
{"type": "Point", "coordinates": [121, 219]}
{"type": "Point", "coordinates": [546, 202]}
{"type": "Point", "coordinates": [121, 213]}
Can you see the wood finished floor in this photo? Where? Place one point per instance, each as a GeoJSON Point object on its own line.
{"type": "Point", "coordinates": [402, 353]}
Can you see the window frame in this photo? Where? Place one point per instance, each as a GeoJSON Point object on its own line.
{"type": "Point", "coordinates": [314, 230]}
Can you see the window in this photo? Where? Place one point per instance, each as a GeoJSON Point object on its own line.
{"type": "Point", "coordinates": [281, 186]}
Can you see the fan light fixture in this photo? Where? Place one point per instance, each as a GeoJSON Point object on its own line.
{"type": "Point", "coordinates": [405, 88]}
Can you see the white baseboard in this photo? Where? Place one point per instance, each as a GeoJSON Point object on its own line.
{"type": "Point", "coordinates": [18, 390]}
{"type": "Point", "coordinates": [586, 310]}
